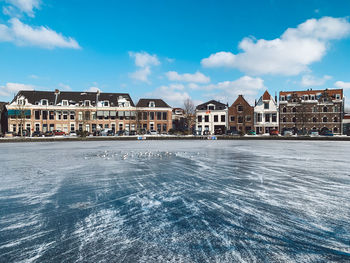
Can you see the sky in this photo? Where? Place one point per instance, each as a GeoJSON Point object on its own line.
{"type": "Point", "coordinates": [174, 50]}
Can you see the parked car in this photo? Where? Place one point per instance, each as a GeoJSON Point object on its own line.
{"type": "Point", "coordinates": [24, 133]}
{"type": "Point", "coordinates": [232, 132]}
{"type": "Point", "coordinates": [153, 132]}
{"type": "Point", "coordinates": [251, 132]}
{"type": "Point", "coordinates": [37, 134]}
{"type": "Point", "coordinates": [314, 133]}
{"type": "Point", "coordinates": [72, 133]}
{"type": "Point", "coordinates": [132, 133]}
{"type": "Point", "coordinates": [110, 133]}
{"type": "Point", "coordinates": [218, 132]}
{"type": "Point", "coordinates": [287, 133]}
{"type": "Point", "coordinates": [49, 134]}
{"type": "Point", "coordinates": [121, 133]}
{"type": "Point", "coordinates": [58, 133]}
{"type": "Point", "coordinates": [326, 133]}
{"type": "Point", "coordinates": [274, 132]}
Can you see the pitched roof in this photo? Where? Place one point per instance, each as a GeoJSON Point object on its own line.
{"type": "Point", "coordinates": [218, 105]}
{"type": "Point", "coordinates": [239, 100]}
{"type": "Point", "coordinates": [159, 103]}
{"type": "Point", "coordinates": [330, 92]}
{"type": "Point", "coordinates": [34, 96]}
{"type": "Point", "coordinates": [266, 95]}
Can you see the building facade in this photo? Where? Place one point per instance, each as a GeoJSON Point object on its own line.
{"type": "Point", "coordinates": [346, 124]}
{"type": "Point", "coordinates": [3, 117]}
{"type": "Point", "coordinates": [265, 114]}
{"type": "Point", "coordinates": [302, 111]}
{"type": "Point", "coordinates": [72, 111]}
{"type": "Point", "coordinates": [241, 116]}
{"type": "Point", "coordinates": [211, 118]}
{"type": "Point", "coordinates": [154, 115]}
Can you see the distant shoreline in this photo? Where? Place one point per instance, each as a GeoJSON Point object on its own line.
{"type": "Point", "coordinates": [135, 138]}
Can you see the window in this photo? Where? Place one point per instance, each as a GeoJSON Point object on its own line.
{"type": "Point", "coordinates": [206, 127]}
{"type": "Point", "coordinates": [65, 115]}
{"type": "Point", "coordinates": [159, 115]}
{"type": "Point", "coordinates": [282, 98]}
{"type": "Point", "coordinates": [44, 102]}
{"type": "Point", "coordinates": [335, 119]}
{"type": "Point", "coordinates": [284, 119]}
{"type": "Point", "coordinates": [151, 126]}
{"type": "Point", "coordinates": [72, 115]}
{"type": "Point", "coordinates": [274, 117]}
{"type": "Point", "coordinates": [144, 115]}
{"type": "Point", "coordinates": [106, 126]}
{"type": "Point", "coordinates": [284, 110]}
{"type": "Point", "coordinates": [106, 103]}
{"type": "Point", "coordinates": [211, 107]}
{"type": "Point", "coordinates": [259, 117]}
{"type": "Point", "coordinates": [44, 115]}
{"type": "Point", "coordinates": [335, 129]}
{"type": "Point", "coordinates": [294, 119]}
{"type": "Point", "coordinates": [232, 118]}
{"type": "Point", "coordinates": [223, 119]}
{"type": "Point", "coordinates": [72, 127]}
{"type": "Point", "coordinates": [314, 119]}
{"type": "Point", "coordinates": [199, 118]}
{"type": "Point", "coordinates": [335, 109]}
{"type": "Point", "coordinates": [240, 108]}
{"type": "Point", "coordinates": [51, 115]}
{"type": "Point", "coordinates": [159, 127]}
{"type": "Point", "coordinates": [93, 115]}
{"type": "Point", "coordinates": [337, 96]}
{"type": "Point", "coordinates": [151, 115]}
{"type": "Point", "coordinates": [240, 119]}
{"type": "Point", "coordinates": [87, 103]}
{"type": "Point", "coordinates": [294, 109]}
{"type": "Point", "coordinates": [80, 116]}
{"type": "Point", "coordinates": [165, 115]}
{"type": "Point", "coordinates": [80, 127]}
{"type": "Point", "coordinates": [59, 115]}
{"type": "Point", "coordinates": [266, 105]}
{"type": "Point", "coordinates": [37, 114]}
{"type": "Point", "coordinates": [267, 117]}
{"type": "Point", "coordinates": [165, 128]}
{"type": "Point", "coordinates": [14, 127]}
{"type": "Point", "coordinates": [52, 127]}
{"type": "Point", "coordinates": [120, 126]}
{"type": "Point", "coordinates": [152, 104]}
{"type": "Point", "coordinates": [314, 109]}
{"type": "Point", "coordinates": [206, 118]}
{"type": "Point", "coordinates": [312, 97]}
{"type": "Point", "coordinates": [87, 115]}
{"type": "Point", "coordinates": [64, 102]}
{"type": "Point", "coordinates": [324, 119]}
{"type": "Point", "coordinates": [325, 109]}
{"type": "Point", "coordinates": [216, 118]}
{"type": "Point", "coordinates": [248, 118]}
{"type": "Point", "coordinates": [37, 127]}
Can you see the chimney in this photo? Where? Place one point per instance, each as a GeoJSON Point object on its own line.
{"type": "Point", "coordinates": [275, 96]}
{"type": "Point", "coordinates": [255, 102]}
{"type": "Point", "coordinates": [56, 95]}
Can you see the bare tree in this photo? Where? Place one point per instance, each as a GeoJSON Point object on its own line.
{"type": "Point", "coordinates": [189, 113]}
{"type": "Point", "coordinates": [20, 115]}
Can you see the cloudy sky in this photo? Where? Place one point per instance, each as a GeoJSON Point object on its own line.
{"type": "Point", "coordinates": [174, 50]}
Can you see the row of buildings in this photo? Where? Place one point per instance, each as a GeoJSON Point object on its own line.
{"type": "Point", "coordinates": [299, 111]}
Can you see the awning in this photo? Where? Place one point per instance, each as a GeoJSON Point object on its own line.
{"type": "Point", "coordinates": [18, 112]}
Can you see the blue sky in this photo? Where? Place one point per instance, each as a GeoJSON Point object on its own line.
{"type": "Point", "coordinates": [174, 49]}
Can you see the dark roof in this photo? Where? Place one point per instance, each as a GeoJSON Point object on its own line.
{"type": "Point", "coordinates": [159, 103]}
{"type": "Point", "coordinates": [330, 92]}
{"type": "Point", "coordinates": [34, 96]}
{"type": "Point", "coordinates": [218, 105]}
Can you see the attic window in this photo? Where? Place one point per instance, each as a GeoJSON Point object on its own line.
{"type": "Point", "coordinates": [211, 107]}
{"type": "Point", "coordinates": [64, 102]}
{"type": "Point", "coordinates": [20, 102]}
{"type": "Point", "coordinates": [106, 103]}
{"type": "Point", "coordinates": [87, 103]}
{"type": "Point", "coordinates": [152, 104]}
{"type": "Point", "coordinates": [337, 96]}
{"type": "Point", "coordinates": [44, 102]}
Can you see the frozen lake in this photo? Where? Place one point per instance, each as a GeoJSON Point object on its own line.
{"type": "Point", "coordinates": [175, 201]}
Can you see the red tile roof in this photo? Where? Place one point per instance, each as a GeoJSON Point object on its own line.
{"type": "Point", "coordinates": [266, 95]}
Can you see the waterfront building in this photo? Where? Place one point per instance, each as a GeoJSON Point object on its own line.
{"type": "Point", "coordinates": [241, 116]}
{"type": "Point", "coordinates": [71, 111]}
{"type": "Point", "coordinates": [154, 115]}
{"type": "Point", "coordinates": [265, 114]}
{"type": "Point", "coordinates": [211, 118]}
{"type": "Point", "coordinates": [346, 124]}
{"type": "Point", "coordinates": [302, 111]}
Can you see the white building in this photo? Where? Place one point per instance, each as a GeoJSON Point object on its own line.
{"type": "Point", "coordinates": [265, 114]}
{"type": "Point", "coordinates": [211, 118]}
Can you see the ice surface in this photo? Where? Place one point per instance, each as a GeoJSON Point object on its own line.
{"type": "Point", "coordinates": [175, 201]}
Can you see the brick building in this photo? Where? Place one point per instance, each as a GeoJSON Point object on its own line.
{"type": "Point", "coordinates": [241, 115]}
{"type": "Point", "coordinates": [154, 114]}
{"type": "Point", "coordinates": [71, 111]}
{"type": "Point", "coordinates": [302, 111]}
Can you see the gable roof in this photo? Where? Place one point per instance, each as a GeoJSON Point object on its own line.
{"type": "Point", "coordinates": [218, 105]}
{"type": "Point", "coordinates": [34, 96]}
{"type": "Point", "coordinates": [159, 103]}
{"type": "Point", "coordinates": [266, 95]}
{"type": "Point", "coordinates": [240, 100]}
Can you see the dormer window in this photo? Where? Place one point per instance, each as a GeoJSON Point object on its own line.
{"type": "Point", "coordinates": [152, 104]}
{"type": "Point", "coordinates": [282, 98]}
{"type": "Point", "coordinates": [211, 107]}
{"type": "Point", "coordinates": [21, 102]}
{"type": "Point", "coordinates": [106, 103]}
{"type": "Point", "coordinates": [312, 97]}
{"type": "Point", "coordinates": [64, 102]}
{"type": "Point", "coordinates": [337, 96]}
{"type": "Point", "coordinates": [44, 102]}
{"type": "Point", "coordinates": [87, 103]}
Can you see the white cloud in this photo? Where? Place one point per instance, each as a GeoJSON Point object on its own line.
{"type": "Point", "coordinates": [25, 35]}
{"type": "Point", "coordinates": [25, 6]}
{"type": "Point", "coordinates": [172, 94]}
{"type": "Point", "coordinates": [93, 89]}
{"type": "Point", "coordinates": [141, 74]}
{"type": "Point", "coordinates": [12, 88]}
{"type": "Point", "coordinates": [342, 85]}
{"type": "Point", "coordinates": [197, 77]}
{"type": "Point", "coordinates": [290, 54]}
{"type": "Point", "coordinates": [144, 61]}
{"type": "Point", "coordinates": [309, 80]}
{"type": "Point", "coordinates": [64, 87]}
